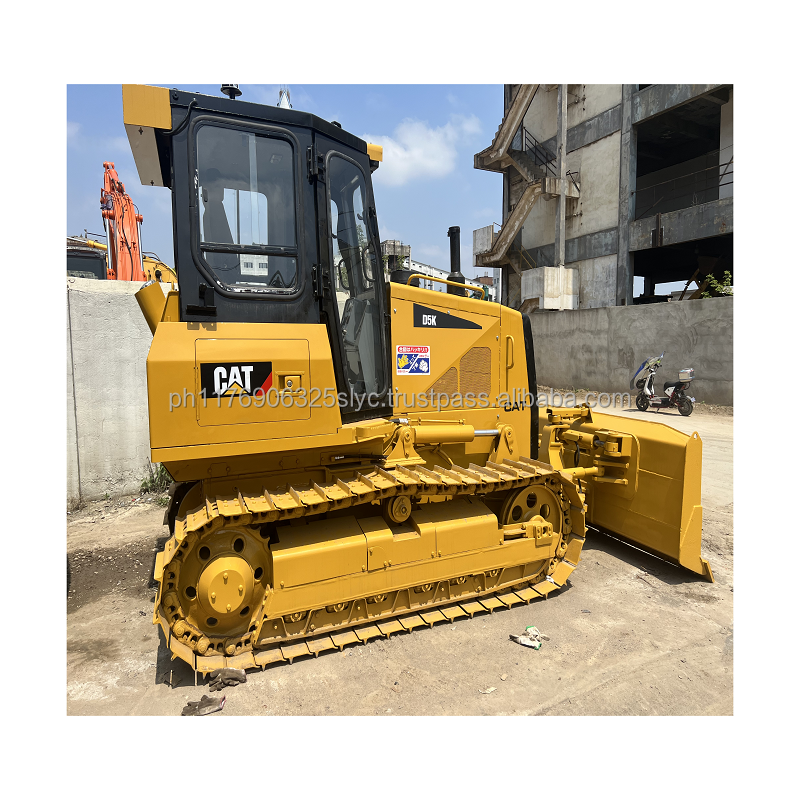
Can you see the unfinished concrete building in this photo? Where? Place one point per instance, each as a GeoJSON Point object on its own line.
{"type": "Point", "coordinates": [603, 184]}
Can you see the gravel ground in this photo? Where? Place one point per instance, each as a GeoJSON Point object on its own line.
{"type": "Point", "coordinates": [628, 635]}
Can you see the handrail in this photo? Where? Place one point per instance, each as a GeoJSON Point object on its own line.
{"type": "Point", "coordinates": [540, 157]}
{"type": "Point", "coordinates": [529, 260]}
{"type": "Point", "coordinates": [466, 286]}
{"type": "Point", "coordinates": [571, 175]}
{"type": "Point", "coordinates": [707, 179]}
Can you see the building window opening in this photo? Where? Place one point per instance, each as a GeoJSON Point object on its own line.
{"type": "Point", "coordinates": [684, 157]}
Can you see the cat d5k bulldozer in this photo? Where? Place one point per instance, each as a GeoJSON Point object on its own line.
{"type": "Point", "coordinates": [353, 457]}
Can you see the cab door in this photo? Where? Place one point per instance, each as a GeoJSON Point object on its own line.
{"type": "Point", "coordinates": [351, 280]}
{"type": "Point", "coordinates": [244, 221]}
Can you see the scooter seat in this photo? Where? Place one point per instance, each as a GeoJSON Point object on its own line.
{"type": "Point", "coordinates": [670, 385]}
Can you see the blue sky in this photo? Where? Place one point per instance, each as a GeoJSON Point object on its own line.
{"type": "Point", "coordinates": [426, 183]}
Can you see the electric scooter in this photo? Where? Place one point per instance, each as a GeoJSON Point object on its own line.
{"type": "Point", "coordinates": [675, 393]}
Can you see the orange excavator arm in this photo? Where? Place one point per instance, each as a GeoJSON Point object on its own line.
{"type": "Point", "coordinates": [125, 253]}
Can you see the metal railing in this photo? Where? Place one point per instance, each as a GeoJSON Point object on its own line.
{"type": "Point", "coordinates": [572, 175]}
{"type": "Point", "coordinates": [687, 190]}
{"type": "Point", "coordinates": [525, 257]}
{"type": "Point", "coordinates": [526, 261]}
{"type": "Point", "coordinates": [537, 153]}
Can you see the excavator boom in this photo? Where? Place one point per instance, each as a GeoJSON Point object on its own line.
{"type": "Point", "coordinates": [125, 254]}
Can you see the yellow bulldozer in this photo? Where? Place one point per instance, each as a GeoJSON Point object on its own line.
{"type": "Point", "coordinates": [353, 457]}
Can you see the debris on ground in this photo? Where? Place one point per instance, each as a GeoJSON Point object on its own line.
{"type": "Point", "coordinates": [226, 677]}
{"type": "Point", "coordinates": [489, 690]}
{"type": "Point", "coordinates": [531, 638]}
{"type": "Point", "coordinates": [206, 705]}
{"type": "Point", "coordinates": [503, 677]}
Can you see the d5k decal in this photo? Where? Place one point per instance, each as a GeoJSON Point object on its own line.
{"type": "Point", "coordinates": [223, 380]}
{"type": "Point", "coordinates": [425, 317]}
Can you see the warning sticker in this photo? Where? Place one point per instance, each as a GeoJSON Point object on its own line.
{"type": "Point", "coordinates": [413, 359]}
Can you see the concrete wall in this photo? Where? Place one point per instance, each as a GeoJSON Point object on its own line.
{"type": "Point", "coordinates": [108, 441]}
{"type": "Point", "coordinates": [726, 147]}
{"type": "Point", "coordinates": [598, 206]}
{"type": "Point", "coordinates": [595, 99]}
{"type": "Point", "coordinates": [595, 210]}
{"type": "Point", "coordinates": [540, 118]}
{"type": "Point", "coordinates": [592, 100]}
{"type": "Point", "coordinates": [685, 225]}
{"type": "Point", "coordinates": [600, 348]}
{"type": "Point", "coordinates": [597, 281]}
{"type": "Point", "coordinates": [595, 155]}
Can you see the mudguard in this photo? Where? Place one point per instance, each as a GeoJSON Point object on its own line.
{"type": "Point", "coordinates": [653, 499]}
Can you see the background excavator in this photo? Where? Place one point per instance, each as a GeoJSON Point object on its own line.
{"type": "Point", "coordinates": [353, 458]}
{"type": "Point", "coordinates": [122, 259]}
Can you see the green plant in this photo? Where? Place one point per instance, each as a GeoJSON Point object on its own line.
{"type": "Point", "coordinates": [106, 496]}
{"type": "Point", "coordinates": [157, 481]}
{"type": "Point", "coordinates": [725, 289]}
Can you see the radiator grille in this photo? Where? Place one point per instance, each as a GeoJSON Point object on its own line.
{"type": "Point", "coordinates": [476, 371]}
{"type": "Point", "coordinates": [447, 384]}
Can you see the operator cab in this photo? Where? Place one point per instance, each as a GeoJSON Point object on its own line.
{"type": "Point", "coordinates": [273, 222]}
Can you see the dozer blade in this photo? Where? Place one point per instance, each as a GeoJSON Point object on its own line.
{"type": "Point", "coordinates": [658, 507]}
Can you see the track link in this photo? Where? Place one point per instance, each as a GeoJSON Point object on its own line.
{"type": "Point", "coordinates": [364, 618]}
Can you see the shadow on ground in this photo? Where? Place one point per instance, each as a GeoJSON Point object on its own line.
{"type": "Point", "coordinates": [176, 674]}
{"type": "Point", "coordinates": [663, 570]}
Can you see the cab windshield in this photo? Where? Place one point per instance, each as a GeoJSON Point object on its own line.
{"type": "Point", "coordinates": [246, 202]}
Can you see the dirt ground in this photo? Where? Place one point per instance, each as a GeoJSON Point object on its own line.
{"type": "Point", "coordinates": [629, 634]}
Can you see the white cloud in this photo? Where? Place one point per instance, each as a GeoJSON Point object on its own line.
{"type": "Point", "coordinates": [388, 232]}
{"type": "Point", "coordinates": [415, 150]}
{"type": "Point", "coordinates": [73, 132]}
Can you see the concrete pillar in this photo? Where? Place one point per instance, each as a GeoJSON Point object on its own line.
{"type": "Point", "coordinates": [649, 287]}
{"type": "Point", "coordinates": [627, 199]}
{"type": "Point", "coordinates": [561, 165]}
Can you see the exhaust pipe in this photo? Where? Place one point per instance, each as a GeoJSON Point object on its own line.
{"type": "Point", "coordinates": [454, 233]}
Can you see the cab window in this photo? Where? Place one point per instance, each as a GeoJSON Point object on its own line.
{"type": "Point", "coordinates": [246, 202]}
{"type": "Point", "coordinates": [354, 271]}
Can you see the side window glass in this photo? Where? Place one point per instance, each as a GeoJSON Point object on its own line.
{"type": "Point", "coordinates": [354, 268]}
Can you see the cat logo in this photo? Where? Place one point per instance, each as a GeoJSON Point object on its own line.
{"type": "Point", "coordinates": [226, 380]}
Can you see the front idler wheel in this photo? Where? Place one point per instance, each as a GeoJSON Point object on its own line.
{"type": "Point", "coordinates": [217, 588]}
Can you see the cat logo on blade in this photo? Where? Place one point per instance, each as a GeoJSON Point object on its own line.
{"type": "Point", "coordinates": [224, 380]}
{"type": "Point", "coordinates": [425, 317]}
